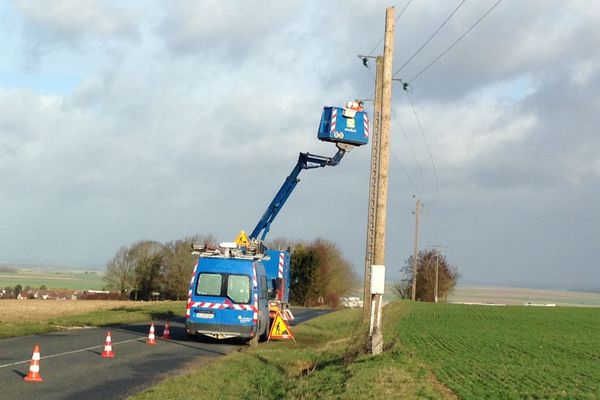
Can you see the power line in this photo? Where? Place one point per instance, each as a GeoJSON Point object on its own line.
{"type": "Point", "coordinates": [430, 38]}
{"type": "Point", "coordinates": [396, 158]}
{"type": "Point", "coordinates": [405, 171]}
{"type": "Point", "coordinates": [437, 182]}
{"type": "Point", "coordinates": [455, 42]}
{"type": "Point", "coordinates": [431, 231]}
{"type": "Point", "coordinates": [413, 154]}
{"type": "Point", "coordinates": [397, 18]}
{"type": "Point", "coordinates": [364, 59]}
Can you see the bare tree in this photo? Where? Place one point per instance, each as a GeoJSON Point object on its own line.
{"type": "Point", "coordinates": [426, 264]}
{"type": "Point", "coordinates": [178, 264]}
{"type": "Point", "coordinates": [282, 244]}
{"type": "Point", "coordinates": [120, 271]}
{"type": "Point", "coordinates": [147, 255]}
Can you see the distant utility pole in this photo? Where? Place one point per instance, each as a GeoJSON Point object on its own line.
{"type": "Point", "coordinates": [376, 273]}
{"type": "Point", "coordinates": [437, 266]}
{"type": "Point", "coordinates": [437, 277]}
{"type": "Point", "coordinates": [415, 252]}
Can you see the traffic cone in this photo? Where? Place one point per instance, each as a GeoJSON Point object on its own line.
{"type": "Point", "coordinates": [151, 337]}
{"type": "Point", "coordinates": [166, 333]}
{"type": "Point", "coordinates": [34, 366]}
{"type": "Point", "coordinates": [108, 347]}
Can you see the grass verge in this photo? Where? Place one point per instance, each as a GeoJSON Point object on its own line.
{"type": "Point", "coordinates": [328, 362]}
{"type": "Point", "coordinates": [123, 313]}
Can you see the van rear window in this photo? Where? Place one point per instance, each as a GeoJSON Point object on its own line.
{"type": "Point", "coordinates": [238, 288]}
{"type": "Point", "coordinates": [234, 287]}
{"type": "Point", "coordinates": [209, 284]}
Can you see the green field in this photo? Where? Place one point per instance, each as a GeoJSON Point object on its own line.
{"type": "Point", "coordinates": [76, 280]}
{"type": "Point", "coordinates": [484, 352]}
{"type": "Point", "coordinates": [431, 351]}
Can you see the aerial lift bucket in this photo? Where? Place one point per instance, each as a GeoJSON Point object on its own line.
{"type": "Point", "coordinates": [344, 126]}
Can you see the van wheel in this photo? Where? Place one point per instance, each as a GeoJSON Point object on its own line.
{"type": "Point", "coordinates": [265, 336]}
{"type": "Point", "coordinates": [254, 341]}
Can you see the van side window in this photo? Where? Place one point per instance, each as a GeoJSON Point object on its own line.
{"type": "Point", "coordinates": [209, 284]}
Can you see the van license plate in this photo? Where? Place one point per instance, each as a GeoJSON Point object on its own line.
{"type": "Point", "coordinates": [204, 315]}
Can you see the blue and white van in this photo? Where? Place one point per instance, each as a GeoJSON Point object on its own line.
{"type": "Point", "coordinates": [228, 296]}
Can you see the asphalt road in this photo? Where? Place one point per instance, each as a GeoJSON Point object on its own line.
{"type": "Point", "coordinates": [71, 366]}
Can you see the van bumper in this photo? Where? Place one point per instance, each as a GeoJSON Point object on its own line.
{"type": "Point", "coordinates": [221, 331]}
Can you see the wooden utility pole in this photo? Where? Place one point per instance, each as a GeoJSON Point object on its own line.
{"type": "Point", "coordinates": [415, 252]}
{"type": "Point", "coordinates": [375, 331]}
{"type": "Point", "coordinates": [373, 187]}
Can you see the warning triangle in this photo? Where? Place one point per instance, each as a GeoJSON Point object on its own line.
{"type": "Point", "coordinates": [280, 329]}
{"type": "Point", "coordinates": [242, 239]}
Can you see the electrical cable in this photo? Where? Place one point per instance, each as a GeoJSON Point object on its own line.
{"type": "Point", "coordinates": [430, 38]}
{"type": "Point", "coordinates": [437, 182]}
{"type": "Point", "coordinates": [432, 231]}
{"type": "Point", "coordinates": [455, 42]}
{"type": "Point", "coordinates": [413, 154]}
{"type": "Point", "coordinates": [397, 159]}
{"type": "Point", "coordinates": [404, 170]}
{"type": "Point", "coordinates": [396, 20]}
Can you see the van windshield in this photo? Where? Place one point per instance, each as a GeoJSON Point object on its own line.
{"type": "Point", "coordinates": [234, 287]}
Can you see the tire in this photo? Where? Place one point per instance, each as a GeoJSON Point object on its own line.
{"type": "Point", "coordinates": [254, 341]}
{"type": "Point", "coordinates": [265, 336]}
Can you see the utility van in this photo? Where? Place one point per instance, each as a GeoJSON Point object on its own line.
{"type": "Point", "coordinates": [227, 296]}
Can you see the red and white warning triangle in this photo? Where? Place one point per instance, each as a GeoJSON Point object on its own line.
{"type": "Point", "coordinates": [280, 329]}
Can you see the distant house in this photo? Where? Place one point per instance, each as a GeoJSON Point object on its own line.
{"type": "Point", "coordinates": [50, 294]}
{"type": "Point", "coordinates": [100, 295]}
{"type": "Point", "coordinates": [65, 294]}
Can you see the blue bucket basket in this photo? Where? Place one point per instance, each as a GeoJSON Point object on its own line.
{"type": "Point", "coordinates": [344, 125]}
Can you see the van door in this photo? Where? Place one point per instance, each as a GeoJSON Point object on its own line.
{"type": "Point", "coordinates": [238, 314]}
{"type": "Point", "coordinates": [263, 304]}
{"type": "Point", "coordinates": [207, 294]}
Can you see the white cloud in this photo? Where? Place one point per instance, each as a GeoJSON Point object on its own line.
{"type": "Point", "coordinates": [186, 117]}
{"type": "Point", "coordinates": [582, 72]}
{"type": "Point", "coordinates": [72, 20]}
{"type": "Point", "coordinates": [466, 131]}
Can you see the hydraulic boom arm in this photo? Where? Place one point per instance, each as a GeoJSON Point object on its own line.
{"type": "Point", "coordinates": [305, 161]}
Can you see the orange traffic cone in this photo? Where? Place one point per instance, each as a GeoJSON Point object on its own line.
{"type": "Point", "coordinates": [34, 366]}
{"type": "Point", "coordinates": [108, 347]}
{"type": "Point", "coordinates": [166, 332]}
{"type": "Point", "coordinates": [151, 337]}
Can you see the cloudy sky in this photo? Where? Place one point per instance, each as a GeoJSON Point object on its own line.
{"type": "Point", "coordinates": [122, 121]}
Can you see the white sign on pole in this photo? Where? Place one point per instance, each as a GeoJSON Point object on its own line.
{"type": "Point", "coordinates": [377, 279]}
